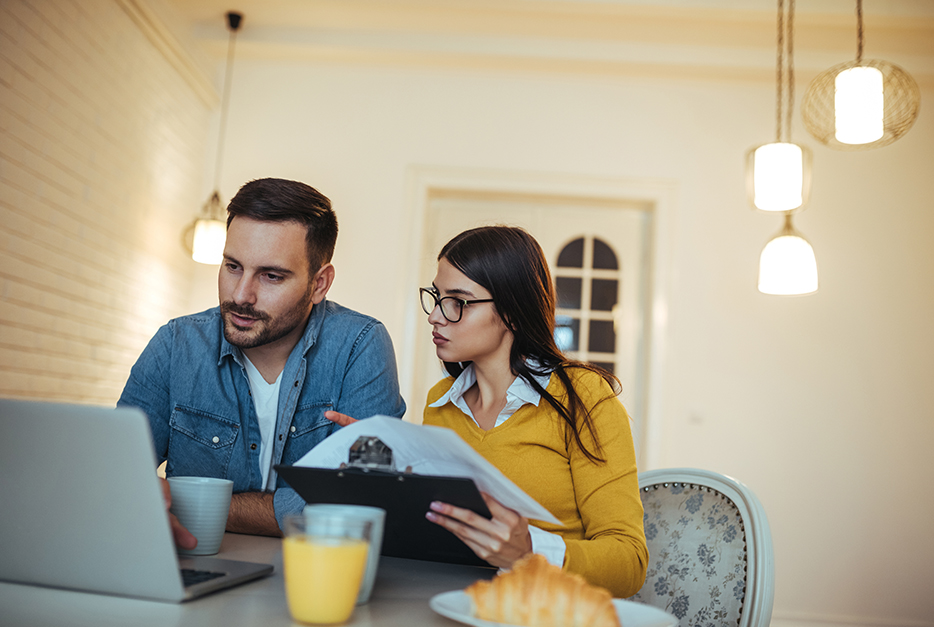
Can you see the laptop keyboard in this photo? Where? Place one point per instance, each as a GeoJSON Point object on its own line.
{"type": "Point", "coordinates": [190, 576]}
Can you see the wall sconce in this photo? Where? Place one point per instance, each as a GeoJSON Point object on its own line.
{"type": "Point", "coordinates": [208, 232]}
{"type": "Point", "coordinates": [860, 104]}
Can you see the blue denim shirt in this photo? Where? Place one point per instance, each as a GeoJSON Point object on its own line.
{"type": "Point", "coordinates": [191, 383]}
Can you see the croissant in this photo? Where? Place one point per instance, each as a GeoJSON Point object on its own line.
{"type": "Point", "coordinates": [538, 594]}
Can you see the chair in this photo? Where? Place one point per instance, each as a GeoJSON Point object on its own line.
{"type": "Point", "coordinates": [710, 549]}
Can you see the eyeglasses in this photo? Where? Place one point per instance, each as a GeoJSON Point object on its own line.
{"type": "Point", "coordinates": [452, 308]}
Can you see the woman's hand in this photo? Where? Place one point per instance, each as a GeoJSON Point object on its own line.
{"type": "Point", "coordinates": [501, 541]}
{"type": "Point", "coordinates": [341, 419]}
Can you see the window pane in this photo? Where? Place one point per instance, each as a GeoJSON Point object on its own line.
{"type": "Point", "coordinates": [603, 256]}
{"type": "Point", "coordinates": [572, 255]}
{"type": "Point", "coordinates": [606, 365]}
{"type": "Point", "coordinates": [602, 337]}
{"type": "Point", "coordinates": [603, 294]}
{"type": "Point", "coordinates": [567, 333]}
{"type": "Point", "coordinates": [569, 292]}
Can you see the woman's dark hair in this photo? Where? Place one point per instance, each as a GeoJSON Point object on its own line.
{"type": "Point", "coordinates": [279, 200]}
{"type": "Point", "coordinates": [509, 263]}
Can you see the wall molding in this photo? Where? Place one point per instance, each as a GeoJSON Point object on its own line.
{"type": "Point", "coordinates": [788, 619]}
{"type": "Point", "coordinates": [171, 48]}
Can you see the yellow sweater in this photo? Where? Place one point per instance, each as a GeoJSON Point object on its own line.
{"type": "Point", "coordinates": [597, 502]}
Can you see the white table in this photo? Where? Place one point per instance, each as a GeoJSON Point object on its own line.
{"type": "Point", "coordinates": [400, 597]}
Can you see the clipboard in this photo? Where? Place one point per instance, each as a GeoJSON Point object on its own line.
{"type": "Point", "coordinates": [405, 497]}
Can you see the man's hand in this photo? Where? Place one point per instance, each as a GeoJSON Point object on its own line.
{"type": "Point", "coordinates": [338, 418]}
{"type": "Point", "coordinates": [183, 538]}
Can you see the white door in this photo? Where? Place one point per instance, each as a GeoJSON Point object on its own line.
{"type": "Point", "coordinates": [602, 310]}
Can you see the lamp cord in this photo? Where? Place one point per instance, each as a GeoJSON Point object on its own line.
{"type": "Point", "coordinates": [779, 69]}
{"type": "Point", "coordinates": [224, 103]}
{"type": "Point", "coordinates": [783, 131]}
{"type": "Point", "coordinates": [791, 69]}
{"type": "Point", "coordinates": [859, 31]}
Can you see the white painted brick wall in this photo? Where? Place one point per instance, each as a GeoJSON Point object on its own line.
{"type": "Point", "coordinates": [102, 146]}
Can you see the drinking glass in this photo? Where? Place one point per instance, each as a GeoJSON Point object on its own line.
{"type": "Point", "coordinates": [324, 557]}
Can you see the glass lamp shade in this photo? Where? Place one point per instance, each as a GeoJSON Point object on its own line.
{"type": "Point", "coordinates": [787, 265]}
{"type": "Point", "coordinates": [209, 239]}
{"type": "Point", "coordinates": [778, 176]}
{"type": "Point", "coordinates": [859, 106]}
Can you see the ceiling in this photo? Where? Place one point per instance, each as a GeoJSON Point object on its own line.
{"type": "Point", "coordinates": [723, 39]}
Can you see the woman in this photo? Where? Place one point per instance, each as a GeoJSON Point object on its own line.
{"type": "Point", "coordinates": [553, 426]}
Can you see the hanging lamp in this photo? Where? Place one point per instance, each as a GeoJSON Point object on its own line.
{"type": "Point", "coordinates": [208, 232]}
{"type": "Point", "coordinates": [787, 265]}
{"type": "Point", "coordinates": [860, 104]}
{"type": "Point", "coordinates": [778, 175]}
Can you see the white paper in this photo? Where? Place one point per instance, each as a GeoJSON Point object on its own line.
{"type": "Point", "coordinates": [434, 451]}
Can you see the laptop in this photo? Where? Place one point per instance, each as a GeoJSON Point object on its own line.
{"type": "Point", "coordinates": [81, 507]}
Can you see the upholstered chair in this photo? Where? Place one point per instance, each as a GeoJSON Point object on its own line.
{"type": "Point", "coordinates": [710, 549]}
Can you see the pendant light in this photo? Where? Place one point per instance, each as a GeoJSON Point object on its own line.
{"type": "Point", "coordinates": [787, 264]}
{"type": "Point", "coordinates": [860, 104]}
{"type": "Point", "coordinates": [208, 232]}
{"type": "Point", "coordinates": [778, 175]}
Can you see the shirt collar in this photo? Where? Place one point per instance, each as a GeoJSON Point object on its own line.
{"type": "Point", "coordinates": [519, 393]}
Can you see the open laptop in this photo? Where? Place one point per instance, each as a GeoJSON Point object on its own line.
{"type": "Point", "coordinates": [81, 507]}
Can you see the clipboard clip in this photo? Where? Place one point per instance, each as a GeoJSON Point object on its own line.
{"type": "Point", "coordinates": [369, 453]}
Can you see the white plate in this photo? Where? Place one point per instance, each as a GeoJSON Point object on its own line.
{"type": "Point", "coordinates": [456, 606]}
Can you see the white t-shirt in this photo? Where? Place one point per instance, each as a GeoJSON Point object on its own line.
{"type": "Point", "coordinates": [266, 403]}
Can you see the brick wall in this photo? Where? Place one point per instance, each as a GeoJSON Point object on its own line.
{"type": "Point", "coordinates": [102, 140]}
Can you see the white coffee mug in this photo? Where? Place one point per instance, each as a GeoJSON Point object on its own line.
{"type": "Point", "coordinates": [201, 505]}
{"type": "Point", "coordinates": [377, 517]}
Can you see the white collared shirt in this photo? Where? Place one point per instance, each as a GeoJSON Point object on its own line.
{"type": "Point", "coordinates": [549, 545]}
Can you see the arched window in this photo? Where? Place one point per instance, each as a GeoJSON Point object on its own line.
{"type": "Point", "coordinates": [587, 279]}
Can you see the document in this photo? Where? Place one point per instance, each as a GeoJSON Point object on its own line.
{"type": "Point", "coordinates": [428, 450]}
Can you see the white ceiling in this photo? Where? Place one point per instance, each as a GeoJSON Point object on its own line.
{"type": "Point", "coordinates": [731, 39]}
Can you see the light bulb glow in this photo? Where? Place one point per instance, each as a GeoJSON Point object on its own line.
{"type": "Point", "coordinates": [209, 239]}
{"type": "Point", "coordinates": [778, 177]}
{"type": "Point", "coordinates": [859, 105]}
{"type": "Point", "coordinates": [787, 266]}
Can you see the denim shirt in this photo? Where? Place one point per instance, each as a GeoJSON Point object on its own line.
{"type": "Point", "coordinates": [191, 383]}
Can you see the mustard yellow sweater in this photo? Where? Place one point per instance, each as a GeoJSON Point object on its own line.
{"type": "Point", "coordinates": [597, 502]}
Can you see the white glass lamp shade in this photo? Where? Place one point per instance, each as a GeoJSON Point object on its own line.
{"type": "Point", "coordinates": [859, 106]}
{"type": "Point", "coordinates": [209, 239]}
{"type": "Point", "coordinates": [778, 176]}
{"type": "Point", "coordinates": [787, 265]}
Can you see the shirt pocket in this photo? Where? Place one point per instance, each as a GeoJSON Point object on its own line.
{"type": "Point", "coordinates": [309, 427]}
{"type": "Point", "coordinates": [200, 443]}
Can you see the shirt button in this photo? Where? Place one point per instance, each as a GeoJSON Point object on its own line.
{"type": "Point", "coordinates": [293, 429]}
{"type": "Point", "coordinates": [253, 447]}
{"type": "Point", "coordinates": [215, 439]}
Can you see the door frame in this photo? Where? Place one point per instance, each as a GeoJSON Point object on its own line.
{"type": "Point", "coordinates": [658, 196]}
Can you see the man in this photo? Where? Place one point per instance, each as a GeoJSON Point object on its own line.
{"type": "Point", "coordinates": [233, 390]}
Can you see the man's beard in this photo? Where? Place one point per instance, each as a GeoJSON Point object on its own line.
{"type": "Point", "coordinates": [266, 329]}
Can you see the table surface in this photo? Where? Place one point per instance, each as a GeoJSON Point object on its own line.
{"type": "Point", "coordinates": [400, 597]}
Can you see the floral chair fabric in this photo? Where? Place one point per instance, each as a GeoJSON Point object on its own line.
{"type": "Point", "coordinates": [699, 558]}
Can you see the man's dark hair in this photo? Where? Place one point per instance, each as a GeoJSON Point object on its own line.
{"type": "Point", "coordinates": [279, 200]}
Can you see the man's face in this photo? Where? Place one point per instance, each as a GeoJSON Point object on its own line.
{"type": "Point", "coordinates": [265, 289]}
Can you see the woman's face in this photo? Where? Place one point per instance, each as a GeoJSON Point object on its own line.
{"type": "Point", "coordinates": [480, 336]}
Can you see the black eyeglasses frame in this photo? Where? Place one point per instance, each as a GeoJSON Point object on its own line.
{"type": "Point", "coordinates": [438, 302]}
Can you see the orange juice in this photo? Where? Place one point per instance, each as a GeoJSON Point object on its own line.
{"type": "Point", "coordinates": [322, 577]}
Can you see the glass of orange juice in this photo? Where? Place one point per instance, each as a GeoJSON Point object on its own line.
{"type": "Point", "coordinates": [324, 557]}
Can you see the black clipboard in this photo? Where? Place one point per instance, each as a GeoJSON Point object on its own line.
{"type": "Point", "coordinates": [405, 497]}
